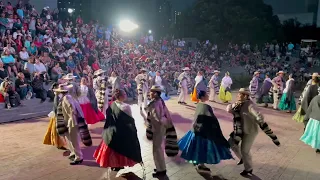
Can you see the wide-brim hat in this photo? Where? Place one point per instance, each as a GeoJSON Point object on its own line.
{"type": "Point", "coordinates": [255, 73]}
{"type": "Point", "coordinates": [156, 88]}
{"type": "Point", "coordinates": [186, 69]}
{"type": "Point", "coordinates": [61, 88]}
{"type": "Point", "coordinates": [315, 75]}
{"type": "Point", "coordinates": [143, 70]}
{"type": "Point", "coordinates": [69, 76]}
{"type": "Point", "coordinates": [98, 72]}
{"type": "Point", "coordinates": [281, 72]}
{"type": "Point", "coordinates": [216, 71]}
{"type": "Point", "coordinates": [244, 91]}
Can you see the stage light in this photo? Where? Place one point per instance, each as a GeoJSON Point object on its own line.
{"type": "Point", "coordinates": [70, 10]}
{"type": "Point", "coordinates": [127, 26]}
{"type": "Point", "coordinates": [150, 31]}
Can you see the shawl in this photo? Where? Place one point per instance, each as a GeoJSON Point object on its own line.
{"type": "Point", "coordinates": [200, 84]}
{"type": "Point", "coordinates": [171, 142]}
{"type": "Point", "coordinates": [290, 90]}
{"type": "Point", "coordinates": [313, 110]}
{"type": "Point", "coordinates": [265, 88]}
{"type": "Point", "coordinates": [207, 125]}
{"type": "Point", "coordinates": [237, 133]}
{"type": "Point", "coordinates": [120, 133]}
{"type": "Point", "coordinates": [309, 95]}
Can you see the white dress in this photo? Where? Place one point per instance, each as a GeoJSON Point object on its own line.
{"type": "Point", "coordinates": [158, 82]}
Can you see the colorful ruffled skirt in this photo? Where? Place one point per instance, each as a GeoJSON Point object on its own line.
{"type": "Point", "coordinates": [298, 117]}
{"type": "Point", "coordinates": [224, 95]}
{"type": "Point", "coordinates": [51, 137]}
{"type": "Point", "coordinates": [107, 157]}
{"type": "Point", "coordinates": [311, 135]}
{"type": "Point", "coordinates": [283, 105]}
{"type": "Point", "coordinates": [90, 115]}
{"type": "Point", "coordinates": [194, 96]}
{"type": "Point", "coordinates": [198, 150]}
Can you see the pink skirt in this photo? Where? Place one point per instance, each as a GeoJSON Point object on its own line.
{"type": "Point", "coordinates": [107, 157]}
{"type": "Point", "coordinates": [90, 115]}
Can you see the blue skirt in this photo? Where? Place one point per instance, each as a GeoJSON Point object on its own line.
{"type": "Point", "coordinates": [291, 106]}
{"type": "Point", "coordinates": [164, 97]}
{"type": "Point", "coordinates": [311, 135]}
{"type": "Point", "coordinates": [198, 150]}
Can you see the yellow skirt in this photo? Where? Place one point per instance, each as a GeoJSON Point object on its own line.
{"type": "Point", "coordinates": [194, 97]}
{"type": "Point", "coordinates": [224, 96]}
{"type": "Point", "coordinates": [51, 137]}
{"type": "Point", "coordinates": [298, 117]}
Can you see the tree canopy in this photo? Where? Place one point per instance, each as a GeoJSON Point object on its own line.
{"type": "Point", "coordinates": [226, 21]}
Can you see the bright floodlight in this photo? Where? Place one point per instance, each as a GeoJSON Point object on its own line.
{"type": "Point", "coordinates": [150, 31]}
{"type": "Point", "coordinates": [127, 26]}
{"type": "Point", "coordinates": [70, 10]}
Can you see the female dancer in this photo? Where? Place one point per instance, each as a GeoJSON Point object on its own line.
{"type": "Point", "coordinates": [287, 101]}
{"type": "Point", "coordinates": [199, 86]}
{"type": "Point", "coordinates": [88, 103]}
{"type": "Point", "coordinates": [224, 92]}
{"type": "Point", "coordinates": [311, 134]}
{"type": "Point", "coordinates": [120, 146]}
{"type": "Point", "coordinates": [205, 143]}
{"type": "Point", "coordinates": [307, 95]}
{"type": "Point", "coordinates": [158, 82]}
{"type": "Point", "coordinates": [51, 137]}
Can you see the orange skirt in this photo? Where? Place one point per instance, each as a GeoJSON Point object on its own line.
{"type": "Point", "coordinates": [194, 97]}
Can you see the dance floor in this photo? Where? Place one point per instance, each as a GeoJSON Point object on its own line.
{"type": "Point", "coordinates": [24, 157]}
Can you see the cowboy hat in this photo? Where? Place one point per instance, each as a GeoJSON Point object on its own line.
{"type": "Point", "coordinates": [216, 71]}
{"type": "Point", "coordinates": [255, 73]}
{"type": "Point", "coordinates": [156, 88]}
{"type": "Point", "coordinates": [244, 91]}
{"type": "Point", "coordinates": [280, 72]}
{"type": "Point", "coordinates": [98, 72]}
{"type": "Point", "coordinates": [315, 75]}
{"type": "Point", "coordinates": [186, 69]}
{"type": "Point", "coordinates": [69, 76]}
{"type": "Point", "coordinates": [61, 88]}
{"type": "Point", "coordinates": [143, 69]}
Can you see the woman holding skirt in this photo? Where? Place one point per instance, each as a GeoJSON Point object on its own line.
{"type": "Point", "coordinates": [224, 92]}
{"type": "Point", "coordinates": [200, 85]}
{"type": "Point", "coordinates": [287, 101]}
{"type": "Point", "coordinates": [51, 137]}
{"type": "Point", "coordinates": [311, 135]}
{"type": "Point", "coordinates": [205, 143]}
{"type": "Point", "coordinates": [88, 103]}
{"type": "Point", "coordinates": [120, 146]}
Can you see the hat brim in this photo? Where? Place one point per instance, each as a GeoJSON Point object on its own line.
{"type": "Point", "coordinates": [185, 69]}
{"type": "Point", "coordinates": [156, 90]}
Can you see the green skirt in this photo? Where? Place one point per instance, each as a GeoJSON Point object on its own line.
{"type": "Point", "coordinates": [297, 116]}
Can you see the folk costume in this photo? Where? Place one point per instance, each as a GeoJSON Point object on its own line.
{"type": "Point", "coordinates": [225, 88]}
{"type": "Point", "coordinates": [305, 98]}
{"type": "Point", "coordinates": [184, 85]}
{"type": "Point", "coordinates": [88, 103]}
{"type": "Point", "coordinates": [160, 125]}
{"type": "Point", "coordinates": [254, 84]}
{"type": "Point", "coordinates": [264, 95]}
{"type": "Point", "coordinates": [205, 143]}
{"type": "Point", "coordinates": [120, 145]}
{"type": "Point", "coordinates": [142, 81]}
{"type": "Point", "coordinates": [278, 86]}
{"type": "Point", "coordinates": [287, 101]}
{"type": "Point", "coordinates": [311, 134]}
{"type": "Point", "coordinates": [115, 83]}
{"type": "Point", "coordinates": [246, 122]}
{"type": "Point", "coordinates": [200, 85]}
{"type": "Point", "coordinates": [102, 90]}
{"type": "Point", "coordinates": [213, 86]}
{"type": "Point", "coordinates": [158, 82]}
{"type": "Point", "coordinates": [51, 137]}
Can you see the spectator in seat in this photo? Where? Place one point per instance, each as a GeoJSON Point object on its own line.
{"type": "Point", "coordinates": [8, 93]}
{"type": "Point", "coordinates": [29, 69]}
{"type": "Point", "coordinates": [38, 89]}
{"type": "Point", "coordinates": [33, 49]}
{"type": "Point", "coordinates": [24, 55]}
{"type": "Point", "coordinates": [23, 87]}
{"type": "Point", "coordinates": [9, 62]}
{"type": "Point", "coordinates": [40, 68]}
{"type": "Point", "coordinates": [56, 72]}
{"type": "Point", "coordinates": [3, 72]}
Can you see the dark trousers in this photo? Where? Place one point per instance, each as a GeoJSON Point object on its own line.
{"type": "Point", "coordinates": [40, 93]}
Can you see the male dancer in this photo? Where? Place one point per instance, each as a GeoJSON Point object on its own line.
{"type": "Point", "coordinates": [214, 86]}
{"type": "Point", "coordinates": [142, 80]}
{"type": "Point", "coordinates": [278, 86]}
{"type": "Point", "coordinates": [254, 84]}
{"type": "Point", "coordinates": [184, 84]}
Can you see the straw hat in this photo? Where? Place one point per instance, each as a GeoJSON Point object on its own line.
{"type": "Point", "coordinates": [156, 88]}
{"type": "Point", "coordinates": [244, 91]}
{"type": "Point", "coordinates": [143, 70]}
{"type": "Point", "coordinates": [69, 76]}
{"type": "Point", "coordinates": [280, 72]}
{"type": "Point", "coordinates": [186, 69]}
{"type": "Point", "coordinates": [216, 71]}
{"type": "Point", "coordinates": [255, 73]}
{"type": "Point", "coordinates": [315, 75]}
{"type": "Point", "coordinates": [61, 88]}
{"type": "Point", "coordinates": [98, 72]}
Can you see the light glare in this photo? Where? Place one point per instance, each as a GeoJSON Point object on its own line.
{"type": "Point", "coordinates": [127, 26]}
{"type": "Point", "coordinates": [70, 10]}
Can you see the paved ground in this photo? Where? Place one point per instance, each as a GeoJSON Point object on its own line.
{"type": "Point", "coordinates": [24, 157]}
